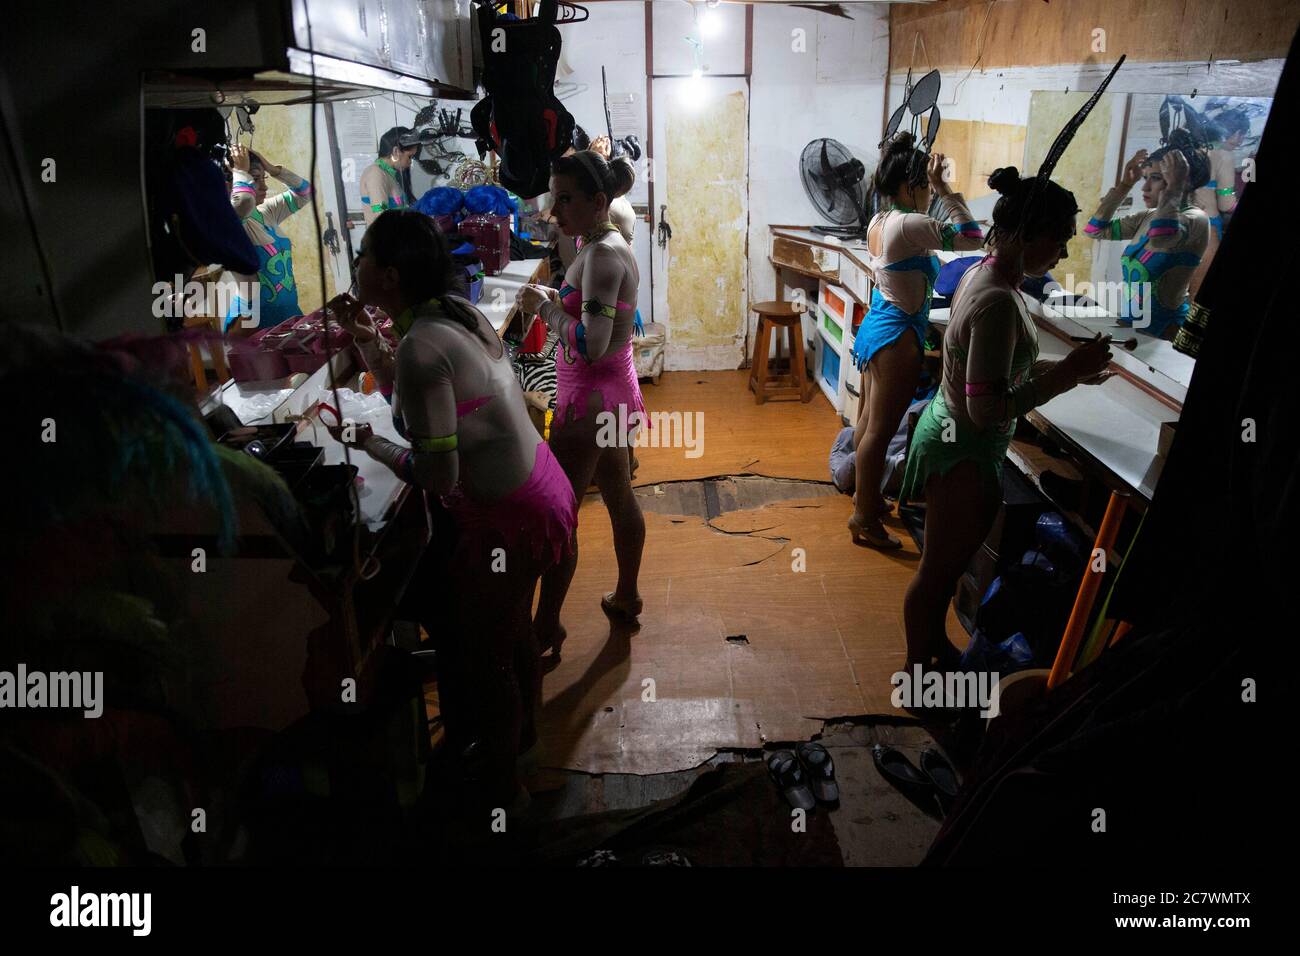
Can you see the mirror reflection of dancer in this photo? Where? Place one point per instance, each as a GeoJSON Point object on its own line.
{"type": "Point", "coordinates": [261, 214]}
{"type": "Point", "coordinates": [458, 402]}
{"type": "Point", "coordinates": [1167, 241]}
{"type": "Point", "coordinates": [1218, 197]}
{"type": "Point", "coordinates": [991, 376]}
{"type": "Point", "coordinates": [891, 339]}
{"type": "Point", "coordinates": [593, 315]}
{"type": "Point", "coordinates": [383, 184]}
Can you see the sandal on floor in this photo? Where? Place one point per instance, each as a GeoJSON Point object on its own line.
{"type": "Point", "coordinates": [819, 767]}
{"type": "Point", "coordinates": [901, 772]}
{"type": "Point", "coordinates": [886, 506]}
{"type": "Point", "coordinates": [941, 773]}
{"type": "Point", "coordinates": [859, 531]}
{"type": "Point", "coordinates": [789, 777]}
{"type": "Point", "coordinates": [628, 612]}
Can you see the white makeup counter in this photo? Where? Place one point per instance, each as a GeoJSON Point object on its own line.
{"type": "Point", "coordinates": [1114, 426]}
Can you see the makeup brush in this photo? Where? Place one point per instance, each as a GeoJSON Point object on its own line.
{"type": "Point", "coordinates": [1129, 344]}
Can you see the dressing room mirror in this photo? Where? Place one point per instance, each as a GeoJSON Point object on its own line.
{"type": "Point", "coordinates": [1226, 128]}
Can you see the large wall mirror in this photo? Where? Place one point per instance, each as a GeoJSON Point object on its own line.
{"type": "Point", "coordinates": [1131, 265]}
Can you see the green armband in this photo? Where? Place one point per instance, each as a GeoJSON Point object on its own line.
{"type": "Point", "coordinates": [446, 443]}
{"type": "Point", "coordinates": [945, 236]}
{"type": "Point", "coordinates": [594, 307]}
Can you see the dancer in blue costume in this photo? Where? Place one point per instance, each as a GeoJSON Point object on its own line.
{"type": "Point", "coordinates": [890, 341]}
{"type": "Point", "coordinates": [1166, 241]}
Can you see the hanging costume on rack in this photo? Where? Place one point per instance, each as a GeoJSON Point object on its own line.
{"type": "Point", "coordinates": [520, 117]}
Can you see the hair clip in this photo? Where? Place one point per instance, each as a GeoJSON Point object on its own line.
{"type": "Point", "coordinates": [917, 100]}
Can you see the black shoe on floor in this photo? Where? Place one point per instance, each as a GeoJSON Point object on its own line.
{"type": "Point", "coordinates": [819, 767]}
{"type": "Point", "coordinates": [941, 773]}
{"type": "Point", "coordinates": [789, 776]}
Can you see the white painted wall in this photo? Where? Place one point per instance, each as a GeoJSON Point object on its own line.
{"type": "Point", "coordinates": [721, 32]}
{"type": "Point", "coordinates": [613, 36]}
{"type": "Point", "coordinates": [834, 88]}
{"type": "Point", "coordinates": [828, 80]}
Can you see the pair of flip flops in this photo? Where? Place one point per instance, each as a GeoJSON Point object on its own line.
{"type": "Point", "coordinates": [805, 776]}
{"type": "Point", "coordinates": [936, 778]}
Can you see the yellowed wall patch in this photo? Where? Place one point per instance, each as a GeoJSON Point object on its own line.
{"type": "Point", "coordinates": [976, 148]}
{"type": "Point", "coordinates": [706, 181]}
{"type": "Point", "coordinates": [283, 136]}
{"type": "Point", "coordinates": [1080, 169]}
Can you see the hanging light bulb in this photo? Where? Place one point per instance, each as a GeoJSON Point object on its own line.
{"type": "Point", "coordinates": [710, 21]}
{"type": "Point", "coordinates": [693, 91]}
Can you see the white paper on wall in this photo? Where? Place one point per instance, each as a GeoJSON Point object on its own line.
{"type": "Point", "coordinates": [627, 116]}
{"type": "Point", "coordinates": [358, 142]}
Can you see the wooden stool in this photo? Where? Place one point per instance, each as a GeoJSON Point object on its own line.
{"type": "Point", "coordinates": [764, 384]}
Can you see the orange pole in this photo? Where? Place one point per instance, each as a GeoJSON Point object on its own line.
{"type": "Point", "coordinates": [1124, 628]}
{"type": "Point", "coordinates": [1087, 595]}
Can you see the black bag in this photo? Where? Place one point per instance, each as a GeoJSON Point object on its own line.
{"type": "Point", "coordinates": [520, 117]}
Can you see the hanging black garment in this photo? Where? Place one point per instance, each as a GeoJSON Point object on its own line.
{"type": "Point", "coordinates": [520, 117]}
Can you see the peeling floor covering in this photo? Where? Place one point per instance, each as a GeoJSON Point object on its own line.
{"type": "Point", "coordinates": [874, 824]}
{"type": "Point", "coordinates": [744, 651]}
{"type": "Point", "coordinates": [736, 647]}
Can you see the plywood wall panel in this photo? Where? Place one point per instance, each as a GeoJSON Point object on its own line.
{"type": "Point", "coordinates": [1082, 169]}
{"type": "Point", "coordinates": [706, 173]}
{"type": "Point", "coordinates": [284, 136]}
{"type": "Point", "coordinates": [976, 149]}
{"type": "Point", "coordinates": [1034, 33]}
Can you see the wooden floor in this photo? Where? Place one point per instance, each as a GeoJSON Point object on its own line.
{"type": "Point", "coordinates": [761, 620]}
{"type": "Point", "coordinates": [780, 439]}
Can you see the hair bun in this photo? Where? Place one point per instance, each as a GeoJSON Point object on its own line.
{"type": "Point", "coordinates": [900, 142]}
{"type": "Point", "coordinates": [1004, 179]}
{"type": "Point", "coordinates": [1182, 139]}
{"type": "Point", "coordinates": [622, 176]}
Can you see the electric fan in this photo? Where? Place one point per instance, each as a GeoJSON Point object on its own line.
{"type": "Point", "coordinates": [836, 184]}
